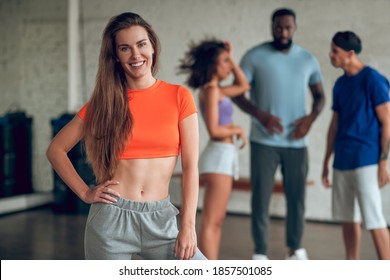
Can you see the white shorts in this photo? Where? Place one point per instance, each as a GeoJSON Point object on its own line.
{"type": "Point", "coordinates": [356, 196]}
{"type": "Point", "coordinates": [220, 158]}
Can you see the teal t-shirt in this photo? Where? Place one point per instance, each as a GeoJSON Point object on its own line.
{"type": "Point", "coordinates": [279, 85]}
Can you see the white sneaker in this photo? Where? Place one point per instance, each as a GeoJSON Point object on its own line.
{"type": "Point", "coordinates": [260, 257]}
{"type": "Point", "coordinates": [299, 254]}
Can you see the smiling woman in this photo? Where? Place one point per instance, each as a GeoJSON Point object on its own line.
{"type": "Point", "coordinates": [135, 55]}
{"type": "Point", "coordinates": [127, 109]}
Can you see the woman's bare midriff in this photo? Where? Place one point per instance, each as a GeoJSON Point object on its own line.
{"type": "Point", "coordinates": [144, 179]}
{"type": "Point", "coordinates": [228, 139]}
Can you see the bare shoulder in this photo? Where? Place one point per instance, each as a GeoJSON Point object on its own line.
{"type": "Point", "coordinates": [211, 89]}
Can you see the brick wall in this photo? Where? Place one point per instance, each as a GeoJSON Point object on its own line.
{"type": "Point", "coordinates": [33, 57]}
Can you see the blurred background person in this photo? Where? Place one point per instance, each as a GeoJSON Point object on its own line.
{"type": "Point", "coordinates": [359, 137]}
{"type": "Point", "coordinates": [280, 73]}
{"type": "Point", "coordinates": [207, 65]}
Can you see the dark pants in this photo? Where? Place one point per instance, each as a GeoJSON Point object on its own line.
{"type": "Point", "coordinates": [294, 169]}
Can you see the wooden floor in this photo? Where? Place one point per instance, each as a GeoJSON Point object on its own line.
{"type": "Point", "coordinates": [41, 234]}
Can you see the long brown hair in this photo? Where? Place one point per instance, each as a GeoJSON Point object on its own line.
{"type": "Point", "coordinates": [108, 121]}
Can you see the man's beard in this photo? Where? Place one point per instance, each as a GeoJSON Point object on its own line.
{"type": "Point", "coordinates": [278, 45]}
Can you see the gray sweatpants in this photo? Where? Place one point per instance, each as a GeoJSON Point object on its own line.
{"type": "Point", "coordinates": [117, 231]}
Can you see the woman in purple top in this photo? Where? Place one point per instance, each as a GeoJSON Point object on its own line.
{"type": "Point", "coordinates": [207, 64]}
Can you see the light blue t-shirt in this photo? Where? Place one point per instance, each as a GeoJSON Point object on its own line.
{"type": "Point", "coordinates": [279, 85]}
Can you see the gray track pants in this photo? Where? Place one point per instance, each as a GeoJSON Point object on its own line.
{"type": "Point", "coordinates": [119, 230]}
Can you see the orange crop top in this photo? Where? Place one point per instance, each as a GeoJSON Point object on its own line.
{"type": "Point", "coordinates": [156, 113]}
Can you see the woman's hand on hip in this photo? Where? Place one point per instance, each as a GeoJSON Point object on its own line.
{"type": "Point", "coordinates": [102, 193]}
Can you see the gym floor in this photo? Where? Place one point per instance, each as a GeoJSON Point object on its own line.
{"type": "Point", "coordinates": [41, 234]}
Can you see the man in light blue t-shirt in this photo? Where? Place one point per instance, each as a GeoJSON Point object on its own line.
{"type": "Point", "coordinates": [280, 73]}
{"type": "Point", "coordinates": [359, 137]}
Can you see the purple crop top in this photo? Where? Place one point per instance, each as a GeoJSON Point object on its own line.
{"type": "Point", "coordinates": [225, 111]}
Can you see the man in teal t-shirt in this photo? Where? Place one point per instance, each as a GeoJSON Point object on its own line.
{"type": "Point", "coordinates": [280, 73]}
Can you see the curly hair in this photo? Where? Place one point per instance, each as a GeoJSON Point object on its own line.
{"type": "Point", "coordinates": [200, 61]}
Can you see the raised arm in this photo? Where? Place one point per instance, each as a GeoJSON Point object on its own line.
{"type": "Point", "coordinates": [240, 84]}
{"type": "Point", "coordinates": [186, 242]}
{"type": "Point", "coordinates": [383, 113]}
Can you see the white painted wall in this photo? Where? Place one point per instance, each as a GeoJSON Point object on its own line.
{"type": "Point", "coordinates": [33, 58]}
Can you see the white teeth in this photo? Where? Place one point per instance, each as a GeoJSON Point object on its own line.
{"type": "Point", "coordinates": [137, 64]}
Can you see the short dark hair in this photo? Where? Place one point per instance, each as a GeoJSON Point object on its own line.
{"type": "Point", "coordinates": [348, 41]}
{"type": "Point", "coordinates": [283, 12]}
